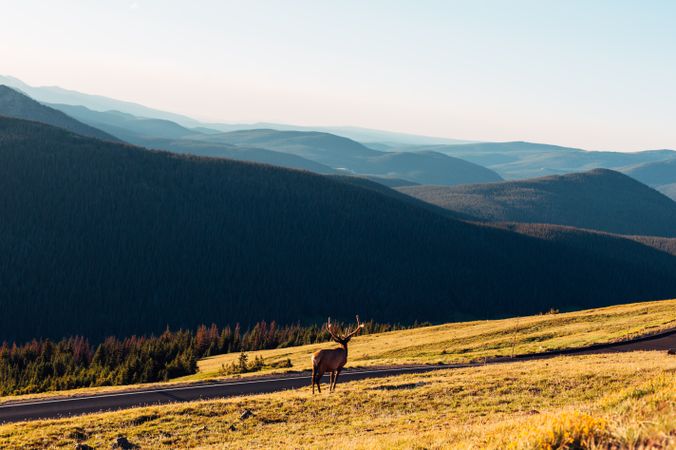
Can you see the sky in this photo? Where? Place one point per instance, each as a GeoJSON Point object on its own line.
{"type": "Point", "coordinates": [594, 74]}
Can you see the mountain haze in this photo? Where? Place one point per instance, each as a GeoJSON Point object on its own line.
{"type": "Point", "coordinates": [16, 104]}
{"type": "Point", "coordinates": [520, 160]}
{"type": "Point", "coordinates": [659, 174]}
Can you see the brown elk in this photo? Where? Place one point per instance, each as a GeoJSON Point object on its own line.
{"type": "Point", "coordinates": [331, 360]}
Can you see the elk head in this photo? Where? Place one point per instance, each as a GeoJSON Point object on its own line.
{"type": "Point", "coordinates": [343, 338]}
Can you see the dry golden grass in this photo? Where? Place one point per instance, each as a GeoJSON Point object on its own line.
{"type": "Point", "coordinates": [467, 341]}
{"type": "Point", "coordinates": [626, 400]}
{"type": "Point", "coordinates": [454, 342]}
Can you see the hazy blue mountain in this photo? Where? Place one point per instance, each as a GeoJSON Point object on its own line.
{"type": "Point", "coordinates": [351, 156]}
{"type": "Point", "coordinates": [103, 238]}
{"type": "Point", "coordinates": [16, 104]}
{"type": "Point", "coordinates": [127, 126]}
{"type": "Point", "coordinates": [519, 160]}
{"type": "Point", "coordinates": [325, 148]}
{"type": "Point", "coordinates": [600, 200]}
{"type": "Point", "coordinates": [659, 174]}
{"type": "Point", "coordinates": [236, 152]}
{"type": "Point", "coordinates": [54, 94]}
{"type": "Point", "coordinates": [669, 190]}
{"type": "Point", "coordinates": [430, 167]}
{"type": "Point", "coordinates": [168, 135]}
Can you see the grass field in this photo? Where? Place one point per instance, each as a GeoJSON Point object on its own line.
{"type": "Point", "coordinates": [454, 342]}
{"type": "Point", "coordinates": [471, 341]}
{"type": "Point", "coordinates": [627, 400]}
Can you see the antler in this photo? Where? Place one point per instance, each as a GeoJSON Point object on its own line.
{"type": "Point", "coordinates": [353, 332]}
{"type": "Point", "coordinates": [328, 328]}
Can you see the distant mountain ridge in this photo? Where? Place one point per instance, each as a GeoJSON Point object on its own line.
{"type": "Point", "coordinates": [522, 160]}
{"type": "Point", "coordinates": [57, 95]}
{"type": "Point", "coordinates": [659, 174]}
{"type": "Point", "coordinates": [103, 238]}
{"type": "Point", "coordinates": [308, 150]}
{"type": "Point", "coordinates": [356, 158]}
{"type": "Point", "coordinates": [17, 104]}
{"type": "Point", "coordinates": [600, 199]}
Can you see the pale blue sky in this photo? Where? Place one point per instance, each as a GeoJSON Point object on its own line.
{"type": "Point", "coordinates": [593, 74]}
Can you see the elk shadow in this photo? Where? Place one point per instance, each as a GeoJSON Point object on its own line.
{"type": "Point", "coordinates": [399, 387]}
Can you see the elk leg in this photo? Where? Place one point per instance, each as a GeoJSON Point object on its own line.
{"type": "Point", "coordinates": [313, 380]}
{"type": "Point", "coordinates": [320, 374]}
{"type": "Point", "coordinates": [335, 379]}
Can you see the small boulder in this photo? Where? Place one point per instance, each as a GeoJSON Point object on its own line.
{"type": "Point", "coordinates": [123, 443]}
{"type": "Point", "coordinates": [671, 351]}
{"type": "Point", "coordinates": [245, 414]}
{"type": "Point", "coordinates": [81, 446]}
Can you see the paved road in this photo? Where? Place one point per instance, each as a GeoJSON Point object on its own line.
{"type": "Point", "coordinates": [61, 407]}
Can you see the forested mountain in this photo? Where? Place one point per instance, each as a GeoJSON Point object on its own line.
{"type": "Point", "coordinates": [659, 174]}
{"type": "Point", "coordinates": [600, 199]}
{"type": "Point", "coordinates": [16, 104]}
{"type": "Point", "coordinates": [127, 126]}
{"type": "Point", "coordinates": [168, 135]}
{"type": "Point", "coordinates": [519, 160]}
{"type": "Point", "coordinates": [338, 152]}
{"type": "Point", "coordinates": [100, 238]}
{"type": "Point", "coordinates": [319, 152]}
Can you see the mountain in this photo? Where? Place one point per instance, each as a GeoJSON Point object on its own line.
{"type": "Point", "coordinates": [16, 104]}
{"type": "Point", "coordinates": [430, 167]}
{"type": "Point", "coordinates": [659, 174]}
{"type": "Point", "coordinates": [669, 190]}
{"type": "Point", "coordinates": [168, 135]}
{"type": "Point", "coordinates": [353, 157]}
{"type": "Point", "coordinates": [54, 94]}
{"type": "Point", "coordinates": [320, 152]}
{"type": "Point", "coordinates": [239, 153]}
{"type": "Point", "coordinates": [519, 160]}
{"type": "Point", "coordinates": [57, 95]}
{"type": "Point", "coordinates": [600, 199]}
{"type": "Point", "coordinates": [127, 126]}
{"type": "Point", "coordinates": [325, 148]}
{"type": "Point", "coordinates": [101, 238]}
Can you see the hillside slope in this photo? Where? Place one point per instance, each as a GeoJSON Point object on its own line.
{"type": "Point", "coordinates": [420, 167]}
{"type": "Point", "coordinates": [599, 199]}
{"type": "Point", "coordinates": [16, 104]}
{"type": "Point", "coordinates": [519, 160]}
{"type": "Point", "coordinates": [659, 174]}
{"type": "Point", "coordinates": [103, 238]}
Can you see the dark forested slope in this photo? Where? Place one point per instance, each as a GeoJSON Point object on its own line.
{"type": "Point", "coordinates": [99, 238]}
{"type": "Point", "coordinates": [600, 199]}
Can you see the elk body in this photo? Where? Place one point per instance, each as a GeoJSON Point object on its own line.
{"type": "Point", "coordinates": [331, 360]}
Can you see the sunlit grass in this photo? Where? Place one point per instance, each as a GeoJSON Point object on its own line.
{"type": "Point", "coordinates": [454, 342]}
{"type": "Point", "coordinates": [626, 400]}
{"type": "Point", "coordinates": [473, 341]}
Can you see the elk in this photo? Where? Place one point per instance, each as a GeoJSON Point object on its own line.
{"type": "Point", "coordinates": [331, 360]}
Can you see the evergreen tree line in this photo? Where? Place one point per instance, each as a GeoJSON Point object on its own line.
{"type": "Point", "coordinates": [46, 365]}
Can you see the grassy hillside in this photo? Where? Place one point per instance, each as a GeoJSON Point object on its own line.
{"type": "Point", "coordinates": [103, 238]}
{"type": "Point", "coordinates": [622, 400]}
{"type": "Point", "coordinates": [600, 199]}
{"type": "Point", "coordinates": [473, 341]}
{"type": "Point", "coordinates": [457, 342]}
{"type": "Point", "coordinates": [16, 104]}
